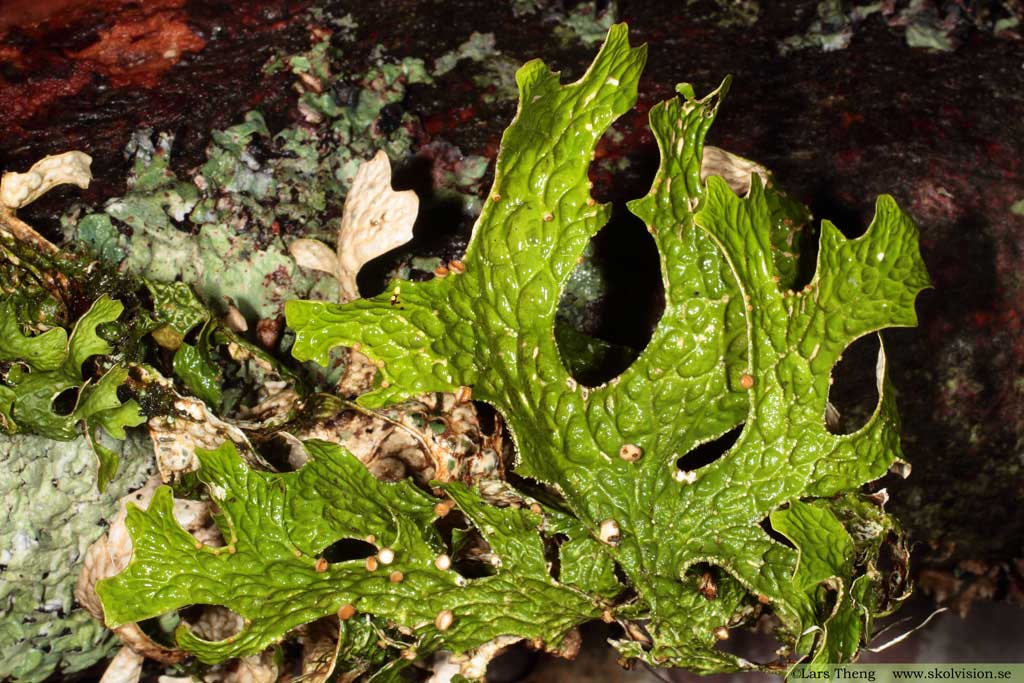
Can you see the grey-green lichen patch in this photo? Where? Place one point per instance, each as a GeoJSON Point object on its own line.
{"type": "Point", "coordinates": [726, 13]}
{"type": "Point", "coordinates": [832, 27]}
{"type": "Point", "coordinates": [495, 71]}
{"type": "Point", "coordinates": [583, 23]}
{"type": "Point", "coordinates": [225, 227]}
{"type": "Point", "coordinates": [52, 512]}
{"type": "Point", "coordinates": [478, 48]}
{"type": "Point", "coordinates": [224, 260]}
{"type": "Point", "coordinates": [586, 23]}
{"type": "Point", "coordinates": [925, 24]}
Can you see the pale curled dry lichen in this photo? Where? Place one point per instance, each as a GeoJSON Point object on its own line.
{"type": "Point", "coordinates": [18, 190]}
{"type": "Point", "coordinates": [375, 220]}
{"type": "Point", "coordinates": [21, 189]}
{"type": "Point", "coordinates": [734, 169]}
{"type": "Point", "coordinates": [125, 667]}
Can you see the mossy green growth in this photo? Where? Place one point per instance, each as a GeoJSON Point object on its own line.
{"type": "Point", "coordinates": [735, 346]}
{"type": "Point", "coordinates": [40, 368]}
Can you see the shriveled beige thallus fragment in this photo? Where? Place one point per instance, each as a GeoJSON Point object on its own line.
{"type": "Point", "coordinates": [125, 667]}
{"type": "Point", "coordinates": [376, 219]}
{"type": "Point", "coordinates": [734, 169]}
{"type": "Point", "coordinates": [21, 189]}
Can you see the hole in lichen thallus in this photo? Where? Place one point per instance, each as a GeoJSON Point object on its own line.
{"type": "Point", "coordinates": [463, 545]}
{"type": "Point", "coordinates": [512, 663]}
{"type": "Point", "coordinates": [710, 451]}
{"type": "Point", "coordinates": [161, 629]}
{"type": "Point", "coordinates": [766, 524]}
{"type": "Point", "coordinates": [470, 553]}
{"type": "Point", "coordinates": [828, 606]}
{"type": "Point", "coordinates": [705, 578]}
{"type": "Point", "coordinates": [348, 549]}
{"type": "Point", "coordinates": [753, 642]}
{"type": "Point", "coordinates": [280, 452]}
{"type": "Point", "coordinates": [552, 554]}
{"type": "Point", "coordinates": [212, 622]}
{"type": "Point", "coordinates": [64, 402]}
{"type": "Point", "coordinates": [612, 302]}
{"type": "Point", "coordinates": [853, 395]}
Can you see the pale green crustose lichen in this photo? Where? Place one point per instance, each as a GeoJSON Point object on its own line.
{"type": "Point", "coordinates": [52, 513]}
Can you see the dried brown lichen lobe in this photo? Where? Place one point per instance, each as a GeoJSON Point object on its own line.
{"type": "Point", "coordinates": [18, 190]}
{"type": "Point", "coordinates": [375, 220]}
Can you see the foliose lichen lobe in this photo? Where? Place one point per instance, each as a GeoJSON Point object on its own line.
{"type": "Point", "coordinates": [735, 346]}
